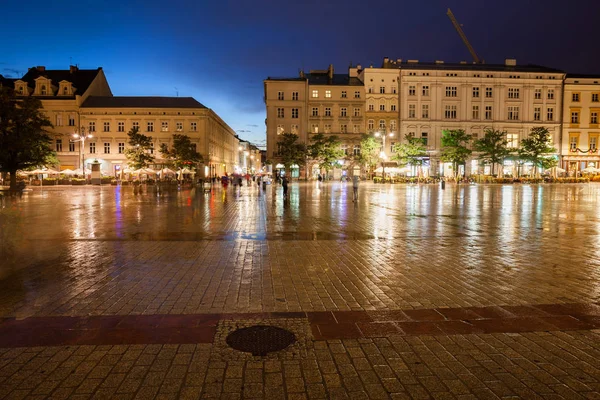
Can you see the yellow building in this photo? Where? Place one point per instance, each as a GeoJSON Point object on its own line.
{"type": "Point", "coordinates": [78, 100]}
{"type": "Point", "coordinates": [581, 128]}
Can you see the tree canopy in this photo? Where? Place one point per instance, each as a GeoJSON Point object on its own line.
{"type": "Point", "coordinates": [493, 147]}
{"type": "Point", "coordinates": [138, 154]}
{"type": "Point", "coordinates": [538, 149]}
{"type": "Point", "coordinates": [413, 151]}
{"type": "Point", "coordinates": [325, 150]}
{"type": "Point", "coordinates": [183, 154]}
{"type": "Point", "coordinates": [289, 151]}
{"type": "Point", "coordinates": [369, 151]}
{"type": "Point", "coordinates": [454, 148]}
{"type": "Point", "coordinates": [24, 139]}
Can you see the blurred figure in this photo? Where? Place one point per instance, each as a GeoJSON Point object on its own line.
{"type": "Point", "coordinates": [355, 182]}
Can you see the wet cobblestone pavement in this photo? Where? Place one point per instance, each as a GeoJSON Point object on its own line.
{"type": "Point", "coordinates": [412, 292]}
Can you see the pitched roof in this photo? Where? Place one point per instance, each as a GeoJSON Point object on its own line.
{"type": "Point", "coordinates": [141, 102]}
{"type": "Point", "coordinates": [7, 82]}
{"type": "Point", "coordinates": [583, 76]}
{"type": "Point", "coordinates": [338, 79]}
{"type": "Point", "coordinates": [80, 78]}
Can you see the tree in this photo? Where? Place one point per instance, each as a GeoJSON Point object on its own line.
{"type": "Point", "coordinates": [369, 152]}
{"type": "Point", "coordinates": [325, 150]}
{"type": "Point", "coordinates": [24, 140]}
{"type": "Point", "coordinates": [538, 150]}
{"type": "Point", "coordinates": [454, 148]}
{"type": "Point", "coordinates": [413, 152]}
{"type": "Point", "coordinates": [183, 153]}
{"type": "Point", "coordinates": [290, 151]}
{"type": "Point", "coordinates": [138, 154]}
{"type": "Point", "coordinates": [493, 148]}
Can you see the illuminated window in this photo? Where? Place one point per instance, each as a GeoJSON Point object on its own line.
{"type": "Point", "coordinates": [328, 94]}
{"type": "Point", "coordinates": [315, 93]}
{"type": "Point", "coordinates": [164, 126]}
{"type": "Point", "coordinates": [179, 126]}
{"type": "Point", "coordinates": [314, 128]}
{"type": "Point", "coordinates": [344, 128]}
{"type": "Point", "coordinates": [295, 129]}
{"type": "Point", "coordinates": [356, 128]}
{"type": "Point", "coordinates": [513, 140]}
{"type": "Point", "coordinates": [280, 129]}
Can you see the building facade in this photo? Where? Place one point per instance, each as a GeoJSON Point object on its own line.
{"type": "Point", "coordinates": [420, 100]}
{"type": "Point", "coordinates": [581, 128]}
{"type": "Point", "coordinates": [81, 101]}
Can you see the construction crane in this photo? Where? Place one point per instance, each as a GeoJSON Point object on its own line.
{"type": "Point", "coordinates": [462, 35]}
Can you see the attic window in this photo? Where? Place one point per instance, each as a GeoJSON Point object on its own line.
{"type": "Point", "coordinates": [43, 90]}
{"type": "Point", "coordinates": [576, 81]}
{"type": "Point", "coordinates": [65, 90]}
{"type": "Point", "coordinates": [21, 90]}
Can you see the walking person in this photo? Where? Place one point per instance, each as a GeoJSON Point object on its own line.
{"type": "Point", "coordinates": [319, 179]}
{"type": "Point", "coordinates": [284, 183]}
{"type": "Point", "coordinates": [355, 181]}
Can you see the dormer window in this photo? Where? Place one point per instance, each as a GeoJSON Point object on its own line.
{"type": "Point", "coordinates": [21, 90]}
{"type": "Point", "coordinates": [65, 90]}
{"type": "Point", "coordinates": [43, 90]}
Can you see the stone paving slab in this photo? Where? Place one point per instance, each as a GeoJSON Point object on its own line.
{"type": "Point", "coordinates": [555, 365]}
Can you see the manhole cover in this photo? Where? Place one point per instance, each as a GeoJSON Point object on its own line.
{"type": "Point", "coordinates": [260, 339]}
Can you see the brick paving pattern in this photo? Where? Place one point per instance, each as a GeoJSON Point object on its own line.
{"type": "Point", "coordinates": [412, 292]}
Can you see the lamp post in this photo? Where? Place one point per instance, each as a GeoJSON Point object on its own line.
{"type": "Point", "coordinates": [81, 137]}
{"type": "Point", "coordinates": [382, 155]}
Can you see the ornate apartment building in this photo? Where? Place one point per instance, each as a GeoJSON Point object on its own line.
{"type": "Point", "coordinates": [78, 100]}
{"type": "Point", "coordinates": [423, 99]}
{"type": "Point", "coordinates": [581, 127]}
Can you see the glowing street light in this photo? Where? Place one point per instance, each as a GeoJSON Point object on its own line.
{"type": "Point", "coordinates": [382, 154]}
{"type": "Point", "coordinates": [82, 137]}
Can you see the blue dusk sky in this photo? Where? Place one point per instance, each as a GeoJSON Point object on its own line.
{"type": "Point", "coordinates": [219, 52]}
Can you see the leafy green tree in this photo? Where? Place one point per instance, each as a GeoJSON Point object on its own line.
{"type": "Point", "coordinates": [24, 139]}
{"type": "Point", "coordinates": [493, 148]}
{"type": "Point", "coordinates": [537, 149]}
{"type": "Point", "coordinates": [291, 152]}
{"type": "Point", "coordinates": [325, 150]}
{"type": "Point", "coordinates": [369, 152]}
{"type": "Point", "coordinates": [454, 148]}
{"type": "Point", "coordinates": [412, 152]}
{"type": "Point", "coordinates": [183, 154]}
{"type": "Point", "coordinates": [138, 154]}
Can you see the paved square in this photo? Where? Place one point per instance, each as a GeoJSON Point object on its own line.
{"type": "Point", "coordinates": [411, 292]}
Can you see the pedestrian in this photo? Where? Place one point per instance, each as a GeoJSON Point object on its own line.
{"type": "Point", "coordinates": [355, 181]}
{"type": "Point", "coordinates": [319, 179]}
{"type": "Point", "coordinates": [284, 183]}
{"type": "Point", "coordinates": [258, 179]}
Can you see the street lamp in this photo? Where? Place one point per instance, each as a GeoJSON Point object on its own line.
{"type": "Point", "coordinates": [382, 154]}
{"type": "Point", "coordinates": [81, 137]}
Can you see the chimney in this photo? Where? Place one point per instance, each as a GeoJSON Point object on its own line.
{"type": "Point", "coordinates": [386, 61]}
{"type": "Point", "coordinates": [40, 68]}
{"type": "Point", "coordinates": [399, 60]}
{"type": "Point", "coordinates": [330, 71]}
{"type": "Point", "coordinates": [73, 68]}
{"type": "Point", "coordinates": [510, 62]}
{"type": "Point", "coordinates": [301, 73]}
{"type": "Point", "coordinates": [359, 67]}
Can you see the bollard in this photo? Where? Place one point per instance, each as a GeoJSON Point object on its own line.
{"type": "Point", "coordinates": [443, 183]}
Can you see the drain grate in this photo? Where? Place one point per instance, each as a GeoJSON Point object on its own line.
{"type": "Point", "coordinates": [260, 339]}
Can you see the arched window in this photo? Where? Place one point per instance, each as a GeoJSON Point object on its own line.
{"type": "Point", "coordinates": [65, 90]}
{"type": "Point", "coordinates": [43, 90]}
